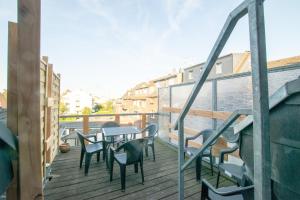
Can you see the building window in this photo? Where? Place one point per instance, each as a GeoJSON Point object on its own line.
{"type": "Point", "coordinates": [219, 68]}
{"type": "Point", "coordinates": [190, 75]}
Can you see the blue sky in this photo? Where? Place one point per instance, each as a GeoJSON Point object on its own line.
{"type": "Point", "coordinates": [108, 46]}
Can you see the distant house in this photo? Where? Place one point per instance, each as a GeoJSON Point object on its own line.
{"type": "Point", "coordinates": [77, 100]}
{"type": "Point", "coordinates": [225, 65]}
{"type": "Point", "coordinates": [143, 97]}
{"type": "Point", "coordinates": [3, 100]}
{"type": "Point", "coordinates": [232, 64]}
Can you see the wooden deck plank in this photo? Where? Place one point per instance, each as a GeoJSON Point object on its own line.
{"type": "Point", "coordinates": [69, 181]}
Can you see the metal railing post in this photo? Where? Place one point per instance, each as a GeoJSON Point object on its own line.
{"type": "Point", "coordinates": [261, 135]}
{"type": "Point", "coordinates": [170, 105]}
{"type": "Point", "coordinates": [214, 102]}
{"type": "Point", "coordinates": [181, 159]}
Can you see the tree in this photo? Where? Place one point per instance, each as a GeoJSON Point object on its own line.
{"type": "Point", "coordinates": [97, 107]}
{"type": "Point", "coordinates": [86, 111]}
{"type": "Point", "coordinates": [109, 106]}
{"type": "Point", "coordinates": [63, 108]}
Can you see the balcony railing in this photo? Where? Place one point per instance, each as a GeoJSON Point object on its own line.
{"type": "Point", "coordinates": [87, 122]}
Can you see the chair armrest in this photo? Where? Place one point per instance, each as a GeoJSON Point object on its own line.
{"type": "Point", "coordinates": [191, 138]}
{"type": "Point", "coordinates": [92, 135]}
{"type": "Point", "coordinates": [95, 142]}
{"type": "Point", "coordinates": [234, 191]}
{"type": "Point", "coordinates": [223, 152]}
{"type": "Point", "coordinates": [113, 149]}
{"type": "Point", "coordinates": [117, 149]}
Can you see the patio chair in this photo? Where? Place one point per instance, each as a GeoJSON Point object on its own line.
{"type": "Point", "coordinates": [246, 188]}
{"type": "Point", "coordinates": [235, 170]}
{"type": "Point", "coordinates": [110, 140]}
{"type": "Point", "coordinates": [132, 155]}
{"type": "Point", "coordinates": [151, 131]}
{"type": "Point", "coordinates": [190, 151]}
{"type": "Point", "coordinates": [88, 150]}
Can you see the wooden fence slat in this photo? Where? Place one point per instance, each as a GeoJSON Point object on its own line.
{"type": "Point", "coordinates": [222, 115]}
{"type": "Point", "coordinates": [12, 99]}
{"type": "Point", "coordinates": [220, 144]}
{"type": "Point", "coordinates": [29, 120]}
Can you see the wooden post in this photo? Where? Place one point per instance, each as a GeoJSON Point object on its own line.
{"type": "Point", "coordinates": [86, 124]}
{"type": "Point", "coordinates": [49, 77]}
{"type": "Point", "coordinates": [143, 123]}
{"type": "Point", "coordinates": [29, 112]}
{"type": "Point", "coordinates": [12, 99]}
{"type": "Point", "coordinates": [117, 118]}
{"type": "Point", "coordinates": [58, 135]}
{"type": "Point", "coordinates": [48, 111]}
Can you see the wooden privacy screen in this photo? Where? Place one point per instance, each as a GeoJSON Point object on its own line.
{"type": "Point", "coordinates": [50, 95]}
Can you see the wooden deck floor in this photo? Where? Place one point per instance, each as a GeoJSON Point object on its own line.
{"type": "Point", "coordinates": [69, 181]}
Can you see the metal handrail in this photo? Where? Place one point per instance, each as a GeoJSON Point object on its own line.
{"type": "Point", "coordinates": [228, 27]}
{"type": "Point", "coordinates": [260, 83]}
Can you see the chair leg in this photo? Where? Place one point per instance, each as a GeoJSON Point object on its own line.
{"type": "Point", "coordinates": [111, 169]}
{"type": "Point", "coordinates": [142, 171]}
{"type": "Point", "coordinates": [198, 168]}
{"type": "Point", "coordinates": [104, 153]}
{"type": "Point", "coordinates": [81, 157]}
{"type": "Point", "coordinates": [98, 156]}
{"type": "Point", "coordinates": [107, 156]}
{"type": "Point", "coordinates": [153, 151]}
{"type": "Point", "coordinates": [136, 168]}
{"type": "Point", "coordinates": [211, 165]}
{"type": "Point", "coordinates": [87, 163]}
{"type": "Point", "coordinates": [218, 178]}
{"type": "Point", "coordinates": [146, 150]}
{"type": "Point", "coordinates": [123, 176]}
{"type": "Point", "coordinates": [204, 192]}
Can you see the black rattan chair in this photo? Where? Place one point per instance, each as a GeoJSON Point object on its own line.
{"type": "Point", "coordinates": [133, 154]}
{"type": "Point", "coordinates": [190, 151]}
{"type": "Point", "coordinates": [88, 150]}
{"type": "Point", "coordinates": [151, 131]}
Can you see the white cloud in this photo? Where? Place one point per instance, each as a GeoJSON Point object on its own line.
{"type": "Point", "coordinates": [177, 12]}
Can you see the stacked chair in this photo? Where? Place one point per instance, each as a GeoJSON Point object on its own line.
{"type": "Point", "coordinates": [190, 151]}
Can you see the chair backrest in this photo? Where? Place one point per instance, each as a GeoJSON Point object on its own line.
{"type": "Point", "coordinates": [246, 153]}
{"type": "Point", "coordinates": [230, 136]}
{"type": "Point", "coordinates": [206, 133]}
{"type": "Point", "coordinates": [134, 150]}
{"type": "Point", "coordinates": [81, 138]}
{"type": "Point", "coordinates": [152, 130]}
{"type": "Point", "coordinates": [110, 124]}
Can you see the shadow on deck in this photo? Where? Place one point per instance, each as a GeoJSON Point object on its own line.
{"type": "Point", "coordinates": [69, 181]}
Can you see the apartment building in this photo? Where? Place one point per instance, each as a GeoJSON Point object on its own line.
{"type": "Point", "coordinates": [77, 100]}
{"type": "Point", "coordinates": [225, 65]}
{"type": "Point", "coordinates": [232, 64]}
{"type": "Point", "coordinates": [143, 97]}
